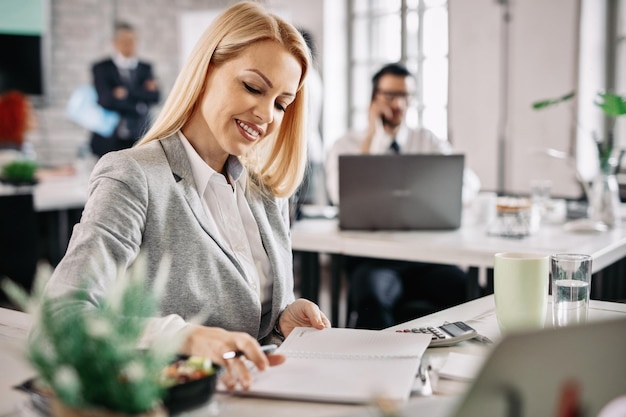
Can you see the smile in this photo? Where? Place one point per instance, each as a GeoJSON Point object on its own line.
{"type": "Point", "coordinates": [248, 129]}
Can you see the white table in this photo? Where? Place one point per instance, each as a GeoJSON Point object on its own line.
{"type": "Point", "coordinates": [61, 193]}
{"type": "Point", "coordinates": [469, 245]}
{"type": "Point", "coordinates": [479, 314]}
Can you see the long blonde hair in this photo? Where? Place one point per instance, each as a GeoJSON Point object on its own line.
{"type": "Point", "coordinates": [277, 163]}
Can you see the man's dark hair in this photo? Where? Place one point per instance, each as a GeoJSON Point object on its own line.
{"type": "Point", "coordinates": [119, 25]}
{"type": "Point", "coordinates": [396, 68]}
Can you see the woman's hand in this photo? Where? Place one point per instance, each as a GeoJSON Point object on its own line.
{"type": "Point", "coordinates": [302, 313]}
{"type": "Point", "coordinates": [213, 342]}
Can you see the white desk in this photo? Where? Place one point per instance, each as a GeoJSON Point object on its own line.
{"type": "Point", "coordinates": [56, 199]}
{"type": "Point", "coordinates": [61, 193]}
{"type": "Point", "coordinates": [469, 245]}
{"type": "Point", "coordinates": [479, 314]}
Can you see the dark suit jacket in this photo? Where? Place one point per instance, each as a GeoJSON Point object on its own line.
{"type": "Point", "coordinates": [133, 109]}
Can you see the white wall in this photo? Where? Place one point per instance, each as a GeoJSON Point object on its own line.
{"type": "Point", "coordinates": [305, 14]}
{"type": "Point", "coordinates": [490, 108]}
{"type": "Point", "coordinates": [473, 93]}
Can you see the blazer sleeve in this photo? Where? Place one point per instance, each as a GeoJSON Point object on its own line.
{"type": "Point", "coordinates": [110, 232]}
{"type": "Point", "coordinates": [105, 80]}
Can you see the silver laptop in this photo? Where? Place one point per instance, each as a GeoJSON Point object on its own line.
{"type": "Point", "coordinates": [400, 192]}
{"type": "Point", "coordinates": [529, 374]}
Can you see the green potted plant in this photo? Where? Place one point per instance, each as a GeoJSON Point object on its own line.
{"type": "Point", "coordinates": [19, 172]}
{"type": "Point", "coordinates": [91, 361]}
{"type": "Point", "coordinates": [603, 193]}
{"type": "Point", "coordinates": [613, 106]}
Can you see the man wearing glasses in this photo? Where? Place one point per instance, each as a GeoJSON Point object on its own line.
{"type": "Point", "coordinates": [386, 292]}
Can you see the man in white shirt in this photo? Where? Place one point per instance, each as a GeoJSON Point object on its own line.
{"type": "Point", "coordinates": [386, 292]}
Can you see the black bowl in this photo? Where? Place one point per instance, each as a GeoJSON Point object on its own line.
{"type": "Point", "coordinates": [40, 397]}
{"type": "Point", "coordinates": [191, 394]}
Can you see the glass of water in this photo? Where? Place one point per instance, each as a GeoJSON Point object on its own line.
{"type": "Point", "coordinates": [571, 286]}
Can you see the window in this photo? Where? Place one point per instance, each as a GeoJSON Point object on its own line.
{"type": "Point", "coordinates": [414, 32]}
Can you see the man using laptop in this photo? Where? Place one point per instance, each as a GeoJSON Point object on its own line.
{"type": "Point", "coordinates": [386, 292]}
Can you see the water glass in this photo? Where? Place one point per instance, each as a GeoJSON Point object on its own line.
{"type": "Point", "coordinates": [571, 287]}
{"type": "Point", "coordinates": [540, 193]}
{"type": "Point", "coordinates": [521, 282]}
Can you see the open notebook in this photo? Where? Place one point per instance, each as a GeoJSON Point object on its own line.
{"type": "Point", "coordinates": [343, 365]}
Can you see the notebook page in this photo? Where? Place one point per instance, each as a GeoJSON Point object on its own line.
{"type": "Point", "coordinates": [352, 343]}
{"type": "Point", "coordinates": [341, 381]}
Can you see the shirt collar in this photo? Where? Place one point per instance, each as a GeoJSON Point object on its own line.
{"type": "Point", "coordinates": [127, 63]}
{"type": "Point", "coordinates": [202, 172]}
{"type": "Point", "coordinates": [402, 135]}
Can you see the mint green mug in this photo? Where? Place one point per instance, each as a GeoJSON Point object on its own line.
{"type": "Point", "coordinates": [521, 282]}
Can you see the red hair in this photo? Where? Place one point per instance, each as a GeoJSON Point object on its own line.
{"type": "Point", "coordinates": [14, 108]}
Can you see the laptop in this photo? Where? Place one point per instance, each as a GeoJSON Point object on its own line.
{"type": "Point", "coordinates": [532, 374]}
{"type": "Point", "coordinates": [400, 192]}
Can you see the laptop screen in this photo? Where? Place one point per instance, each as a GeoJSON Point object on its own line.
{"type": "Point", "coordinates": [400, 192]}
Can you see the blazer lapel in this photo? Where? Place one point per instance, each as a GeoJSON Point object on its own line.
{"type": "Point", "coordinates": [181, 171]}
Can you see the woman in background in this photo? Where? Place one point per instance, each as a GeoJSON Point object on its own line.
{"type": "Point", "coordinates": [208, 187]}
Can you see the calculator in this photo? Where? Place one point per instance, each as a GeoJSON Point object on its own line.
{"type": "Point", "coordinates": [447, 334]}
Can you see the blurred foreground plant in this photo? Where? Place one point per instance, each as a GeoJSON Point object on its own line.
{"type": "Point", "coordinates": [89, 356]}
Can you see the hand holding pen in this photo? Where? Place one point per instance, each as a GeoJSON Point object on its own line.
{"type": "Point", "coordinates": [234, 351]}
{"type": "Point", "coordinates": [232, 354]}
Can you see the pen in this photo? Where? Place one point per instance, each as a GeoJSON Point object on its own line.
{"type": "Point", "coordinates": [237, 353]}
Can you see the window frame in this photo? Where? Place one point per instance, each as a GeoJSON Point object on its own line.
{"type": "Point", "coordinates": [370, 11]}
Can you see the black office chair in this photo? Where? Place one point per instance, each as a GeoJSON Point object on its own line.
{"type": "Point", "coordinates": [19, 235]}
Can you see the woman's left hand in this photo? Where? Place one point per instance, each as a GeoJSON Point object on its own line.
{"type": "Point", "coordinates": [302, 313]}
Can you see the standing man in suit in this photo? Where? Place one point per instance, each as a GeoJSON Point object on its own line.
{"type": "Point", "coordinates": [126, 85]}
{"type": "Point", "coordinates": [385, 292]}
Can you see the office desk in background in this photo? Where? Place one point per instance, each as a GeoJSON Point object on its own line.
{"type": "Point", "coordinates": [467, 246]}
{"type": "Point", "coordinates": [479, 313]}
{"type": "Point", "coordinates": [58, 201]}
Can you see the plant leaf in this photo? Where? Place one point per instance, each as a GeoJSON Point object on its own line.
{"type": "Point", "coordinates": [612, 105]}
{"type": "Point", "coordinates": [542, 104]}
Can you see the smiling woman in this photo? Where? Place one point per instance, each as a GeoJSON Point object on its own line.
{"type": "Point", "coordinates": [256, 89]}
{"type": "Point", "coordinates": [277, 163]}
{"type": "Point", "coordinates": [208, 187]}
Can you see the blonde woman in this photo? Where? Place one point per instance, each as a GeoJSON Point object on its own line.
{"type": "Point", "coordinates": [208, 186]}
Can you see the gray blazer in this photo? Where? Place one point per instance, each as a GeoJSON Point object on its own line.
{"type": "Point", "coordinates": [145, 199]}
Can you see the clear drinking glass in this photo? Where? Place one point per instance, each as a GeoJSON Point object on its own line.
{"type": "Point", "coordinates": [571, 287]}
